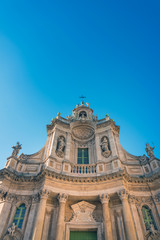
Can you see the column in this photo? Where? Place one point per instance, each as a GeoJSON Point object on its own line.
{"type": "Point", "coordinates": [5, 213]}
{"type": "Point", "coordinates": [31, 217]}
{"type": "Point", "coordinates": [46, 227]}
{"type": "Point", "coordinates": [136, 219]}
{"type": "Point", "coordinates": [157, 203]}
{"type": "Point", "coordinates": [62, 197]}
{"type": "Point", "coordinates": [128, 221]}
{"type": "Point", "coordinates": [106, 216]}
{"type": "Point", "coordinates": [38, 228]}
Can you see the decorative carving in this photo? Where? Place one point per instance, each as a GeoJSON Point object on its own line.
{"type": "Point", "coordinates": [43, 193]}
{"type": "Point", "coordinates": [23, 157]}
{"type": "Point", "coordinates": [123, 194]}
{"type": "Point", "coordinates": [16, 149]}
{"type": "Point", "coordinates": [153, 234]}
{"type": "Point", "coordinates": [83, 212]}
{"type": "Point", "coordinates": [13, 233]}
{"type": "Point", "coordinates": [143, 158]}
{"type": "Point", "coordinates": [149, 151]}
{"type": "Point", "coordinates": [105, 148]}
{"type": "Point", "coordinates": [12, 229]}
{"type": "Point", "coordinates": [62, 197]}
{"type": "Point", "coordinates": [139, 200]}
{"type": "Point", "coordinates": [2, 195]}
{"type": "Point", "coordinates": [36, 197]}
{"type": "Point", "coordinates": [60, 146]}
{"type": "Point", "coordinates": [10, 197]}
{"type": "Point", "coordinates": [83, 132]}
{"type": "Point", "coordinates": [104, 198]}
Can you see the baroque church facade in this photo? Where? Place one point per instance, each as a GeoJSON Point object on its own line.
{"type": "Point", "coordinates": [81, 185]}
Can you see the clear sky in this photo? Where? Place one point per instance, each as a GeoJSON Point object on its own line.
{"type": "Point", "coordinates": [53, 51]}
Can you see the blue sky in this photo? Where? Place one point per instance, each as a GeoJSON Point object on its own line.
{"type": "Point", "coordinates": [51, 52]}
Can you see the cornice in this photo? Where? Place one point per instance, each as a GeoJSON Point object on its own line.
{"type": "Point", "coordinates": [13, 176]}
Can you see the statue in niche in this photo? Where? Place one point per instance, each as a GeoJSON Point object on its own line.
{"type": "Point", "coordinates": [105, 148]}
{"type": "Point", "coordinates": [60, 147]}
{"type": "Point", "coordinates": [16, 149]}
{"type": "Point", "coordinates": [149, 151]}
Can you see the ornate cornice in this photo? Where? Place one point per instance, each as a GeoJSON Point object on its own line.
{"type": "Point", "coordinates": [14, 176]}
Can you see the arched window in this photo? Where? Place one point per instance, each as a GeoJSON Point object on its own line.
{"type": "Point", "coordinates": [82, 114]}
{"type": "Point", "coordinates": [148, 217]}
{"type": "Point", "coordinates": [19, 215]}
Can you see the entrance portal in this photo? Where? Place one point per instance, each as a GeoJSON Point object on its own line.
{"type": "Point", "coordinates": [83, 235]}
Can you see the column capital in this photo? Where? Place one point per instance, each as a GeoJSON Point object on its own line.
{"type": "Point", "coordinates": [104, 198]}
{"type": "Point", "coordinates": [123, 194]}
{"type": "Point", "coordinates": [10, 197]}
{"type": "Point", "coordinates": [62, 197]}
{"type": "Point", "coordinates": [43, 193]}
{"type": "Point", "coordinates": [2, 195]}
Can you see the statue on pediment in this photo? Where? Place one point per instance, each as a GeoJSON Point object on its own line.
{"type": "Point", "coordinates": [16, 149]}
{"type": "Point", "coordinates": [149, 151]}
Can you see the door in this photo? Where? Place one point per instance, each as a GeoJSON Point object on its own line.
{"type": "Point", "coordinates": [83, 235]}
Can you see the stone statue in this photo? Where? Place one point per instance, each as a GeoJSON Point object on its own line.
{"type": "Point", "coordinates": [60, 147]}
{"type": "Point", "coordinates": [149, 151]}
{"type": "Point", "coordinates": [88, 104]}
{"type": "Point", "coordinates": [12, 229]}
{"type": "Point", "coordinates": [16, 149]}
{"type": "Point", "coordinates": [105, 147]}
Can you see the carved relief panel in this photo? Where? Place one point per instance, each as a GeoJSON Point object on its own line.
{"type": "Point", "coordinates": [83, 212]}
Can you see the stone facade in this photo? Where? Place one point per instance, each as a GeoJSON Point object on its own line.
{"type": "Point", "coordinates": [48, 194]}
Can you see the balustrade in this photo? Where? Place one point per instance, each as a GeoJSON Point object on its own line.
{"type": "Point", "coordinates": [83, 168]}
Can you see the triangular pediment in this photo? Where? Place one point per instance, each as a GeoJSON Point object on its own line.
{"type": "Point", "coordinates": [83, 212]}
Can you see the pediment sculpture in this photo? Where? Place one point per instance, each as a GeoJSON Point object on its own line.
{"type": "Point", "coordinates": [83, 212]}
